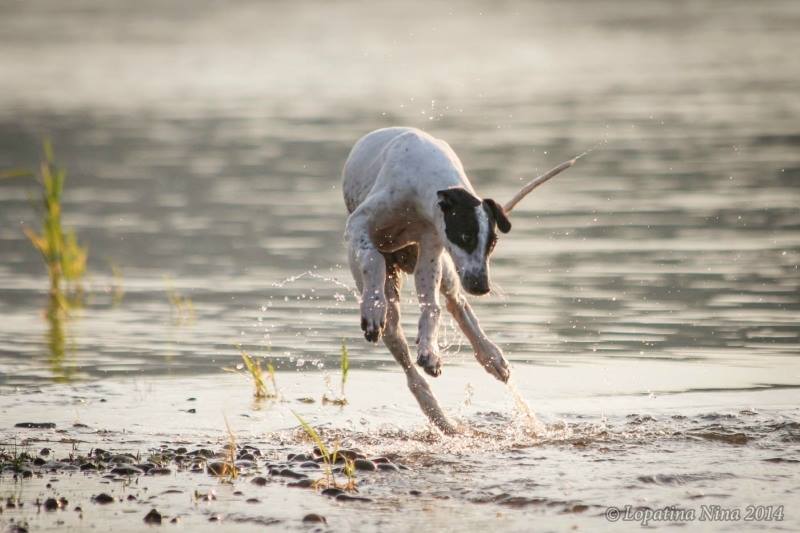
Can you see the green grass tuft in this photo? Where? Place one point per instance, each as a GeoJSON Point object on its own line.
{"type": "Point", "coordinates": [230, 472]}
{"type": "Point", "coordinates": [63, 256]}
{"type": "Point", "coordinates": [329, 459]}
{"type": "Point", "coordinates": [182, 306]}
{"type": "Point", "coordinates": [256, 374]}
{"type": "Point", "coordinates": [344, 364]}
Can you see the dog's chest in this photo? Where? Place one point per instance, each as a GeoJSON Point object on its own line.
{"type": "Point", "coordinates": [397, 229]}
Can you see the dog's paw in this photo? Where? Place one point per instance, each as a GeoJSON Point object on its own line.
{"type": "Point", "coordinates": [429, 360]}
{"type": "Point", "coordinates": [373, 318]}
{"type": "Point", "coordinates": [492, 359]}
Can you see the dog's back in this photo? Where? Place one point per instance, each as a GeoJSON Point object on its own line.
{"type": "Point", "coordinates": [408, 147]}
{"type": "Point", "coordinates": [364, 163]}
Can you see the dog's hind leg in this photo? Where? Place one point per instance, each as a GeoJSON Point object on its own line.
{"type": "Point", "coordinates": [395, 340]}
{"type": "Point", "coordinates": [488, 354]}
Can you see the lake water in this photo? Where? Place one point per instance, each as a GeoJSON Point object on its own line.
{"type": "Point", "coordinates": [649, 297]}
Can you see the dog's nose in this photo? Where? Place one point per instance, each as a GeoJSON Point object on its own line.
{"type": "Point", "coordinates": [477, 285]}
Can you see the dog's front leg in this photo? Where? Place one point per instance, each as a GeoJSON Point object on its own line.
{"type": "Point", "coordinates": [488, 353]}
{"type": "Point", "coordinates": [427, 278]}
{"type": "Point", "coordinates": [369, 268]}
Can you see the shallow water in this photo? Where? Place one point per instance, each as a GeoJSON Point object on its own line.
{"type": "Point", "coordinates": [648, 298]}
{"type": "Point", "coordinates": [637, 450]}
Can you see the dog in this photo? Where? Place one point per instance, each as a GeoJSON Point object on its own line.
{"type": "Point", "coordinates": [412, 210]}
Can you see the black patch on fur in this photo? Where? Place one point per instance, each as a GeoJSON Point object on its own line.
{"type": "Point", "coordinates": [460, 218]}
{"type": "Point", "coordinates": [498, 215]}
{"type": "Point", "coordinates": [497, 218]}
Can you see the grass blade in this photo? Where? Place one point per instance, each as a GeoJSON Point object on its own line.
{"type": "Point", "coordinates": [312, 433]}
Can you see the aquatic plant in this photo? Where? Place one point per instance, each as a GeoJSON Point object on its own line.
{"type": "Point", "coordinates": [256, 373]}
{"type": "Point", "coordinates": [64, 258]}
{"type": "Point", "coordinates": [329, 459]}
{"type": "Point", "coordinates": [15, 173]}
{"type": "Point", "coordinates": [345, 369]}
{"type": "Point", "coordinates": [182, 306]}
{"type": "Point", "coordinates": [254, 369]}
{"type": "Point", "coordinates": [17, 458]}
{"type": "Point", "coordinates": [229, 471]}
{"type": "Point", "coordinates": [117, 290]}
{"type": "Point", "coordinates": [345, 365]}
{"type": "Point", "coordinates": [350, 472]}
{"type": "Point", "coordinates": [225, 470]}
{"type": "Point", "coordinates": [271, 372]}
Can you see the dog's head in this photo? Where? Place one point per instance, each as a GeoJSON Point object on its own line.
{"type": "Point", "coordinates": [470, 226]}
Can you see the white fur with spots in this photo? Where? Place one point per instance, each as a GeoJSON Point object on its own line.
{"type": "Point", "coordinates": [390, 184]}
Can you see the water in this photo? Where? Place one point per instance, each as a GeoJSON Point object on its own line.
{"type": "Point", "coordinates": [648, 297]}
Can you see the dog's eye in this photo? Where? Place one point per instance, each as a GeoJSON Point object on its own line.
{"type": "Point", "coordinates": [468, 240]}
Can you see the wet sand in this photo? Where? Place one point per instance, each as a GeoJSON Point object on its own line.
{"type": "Point", "coordinates": [626, 449]}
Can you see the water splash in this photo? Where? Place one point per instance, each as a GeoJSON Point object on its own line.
{"type": "Point", "coordinates": [532, 425]}
{"type": "Point", "coordinates": [314, 275]}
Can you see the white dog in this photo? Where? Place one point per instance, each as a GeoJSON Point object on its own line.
{"type": "Point", "coordinates": [412, 209]}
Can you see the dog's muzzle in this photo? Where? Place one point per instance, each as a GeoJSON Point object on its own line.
{"type": "Point", "coordinates": [477, 284]}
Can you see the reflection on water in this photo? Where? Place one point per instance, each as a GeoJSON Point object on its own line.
{"type": "Point", "coordinates": [59, 348]}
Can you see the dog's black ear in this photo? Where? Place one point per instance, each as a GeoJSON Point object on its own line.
{"type": "Point", "coordinates": [503, 224]}
{"type": "Point", "coordinates": [457, 196]}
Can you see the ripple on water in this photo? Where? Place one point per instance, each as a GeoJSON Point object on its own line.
{"type": "Point", "coordinates": [683, 479]}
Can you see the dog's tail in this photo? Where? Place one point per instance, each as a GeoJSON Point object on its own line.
{"type": "Point", "coordinates": [553, 172]}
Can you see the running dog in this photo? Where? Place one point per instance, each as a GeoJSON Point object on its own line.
{"type": "Point", "coordinates": [413, 210]}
